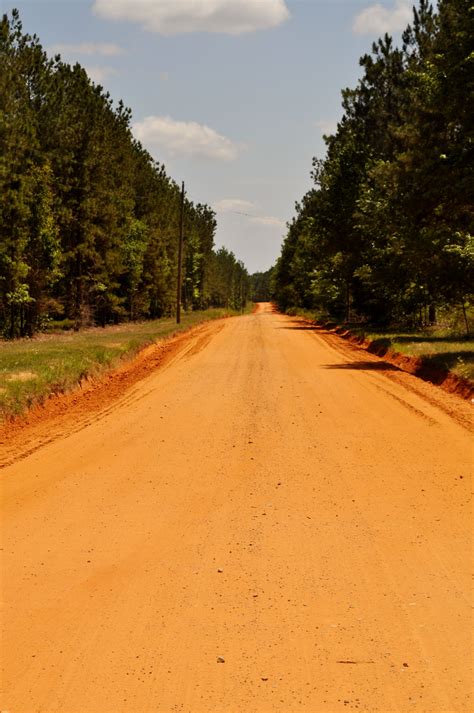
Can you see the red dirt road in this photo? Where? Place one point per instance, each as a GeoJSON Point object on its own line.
{"type": "Point", "coordinates": [270, 496]}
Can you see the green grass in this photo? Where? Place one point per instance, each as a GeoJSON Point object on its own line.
{"type": "Point", "coordinates": [32, 369]}
{"type": "Point", "coordinates": [309, 314]}
{"type": "Point", "coordinates": [450, 353]}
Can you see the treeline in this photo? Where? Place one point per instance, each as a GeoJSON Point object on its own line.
{"type": "Point", "coordinates": [261, 286]}
{"type": "Point", "coordinates": [386, 233]}
{"type": "Point", "coordinates": [89, 222]}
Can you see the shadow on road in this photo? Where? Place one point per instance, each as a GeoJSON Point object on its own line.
{"type": "Point", "coordinates": [363, 366]}
{"type": "Point", "coordinates": [299, 325]}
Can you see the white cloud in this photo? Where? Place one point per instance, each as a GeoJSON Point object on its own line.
{"type": "Point", "coordinates": [105, 49]}
{"type": "Point", "coordinates": [269, 221]}
{"type": "Point", "coordinates": [171, 17]}
{"type": "Point", "coordinates": [185, 138]}
{"type": "Point", "coordinates": [327, 126]}
{"type": "Point", "coordinates": [99, 74]}
{"type": "Point", "coordinates": [234, 205]}
{"type": "Point", "coordinates": [245, 208]}
{"type": "Point", "coordinates": [377, 19]}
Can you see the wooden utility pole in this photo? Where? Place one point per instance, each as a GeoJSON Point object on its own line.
{"type": "Point", "coordinates": [180, 258]}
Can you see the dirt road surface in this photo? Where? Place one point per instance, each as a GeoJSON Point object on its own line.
{"type": "Point", "coordinates": [272, 521]}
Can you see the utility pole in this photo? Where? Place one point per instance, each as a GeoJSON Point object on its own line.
{"type": "Point", "coordinates": [180, 258]}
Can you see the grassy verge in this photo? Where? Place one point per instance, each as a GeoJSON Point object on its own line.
{"type": "Point", "coordinates": [439, 347]}
{"type": "Point", "coordinates": [434, 348]}
{"type": "Point", "coordinates": [32, 369]}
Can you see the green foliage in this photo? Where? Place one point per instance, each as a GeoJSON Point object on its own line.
{"type": "Point", "coordinates": [229, 282]}
{"type": "Point", "coordinates": [89, 222]}
{"type": "Point", "coordinates": [261, 286]}
{"type": "Point", "coordinates": [133, 248]}
{"type": "Point", "coordinates": [385, 234]}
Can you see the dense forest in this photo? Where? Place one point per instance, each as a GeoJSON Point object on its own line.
{"type": "Point", "coordinates": [89, 222]}
{"type": "Point", "coordinates": [261, 286]}
{"type": "Point", "coordinates": [386, 232]}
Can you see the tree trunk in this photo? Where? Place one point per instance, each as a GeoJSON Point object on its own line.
{"type": "Point", "coordinates": [466, 321]}
{"type": "Point", "coordinates": [348, 303]}
{"type": "Point", "coordinates": [12, 321]}
{"type": "Point", "coordinates": [78, 305]}
{"type": "Point", "coordinates": [432, 314]}
{"type": "Point", "coordinates": [79, 295]}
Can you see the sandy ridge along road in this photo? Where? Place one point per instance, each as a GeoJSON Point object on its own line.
{"type": "Point", "coordinates": [272, 497]}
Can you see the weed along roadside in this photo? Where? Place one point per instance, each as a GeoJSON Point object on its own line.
{"type": "Point", "coordinates": [31, 370]}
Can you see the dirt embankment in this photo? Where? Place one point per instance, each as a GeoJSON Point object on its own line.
{"type": "Point", "coordinates": [64, 413]}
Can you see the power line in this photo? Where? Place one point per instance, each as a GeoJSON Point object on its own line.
{"type": "Point", "coordinates": [239, 212]}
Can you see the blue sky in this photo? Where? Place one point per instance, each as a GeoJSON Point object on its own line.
{"type": "Point", "coordinates": [233, 96]}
